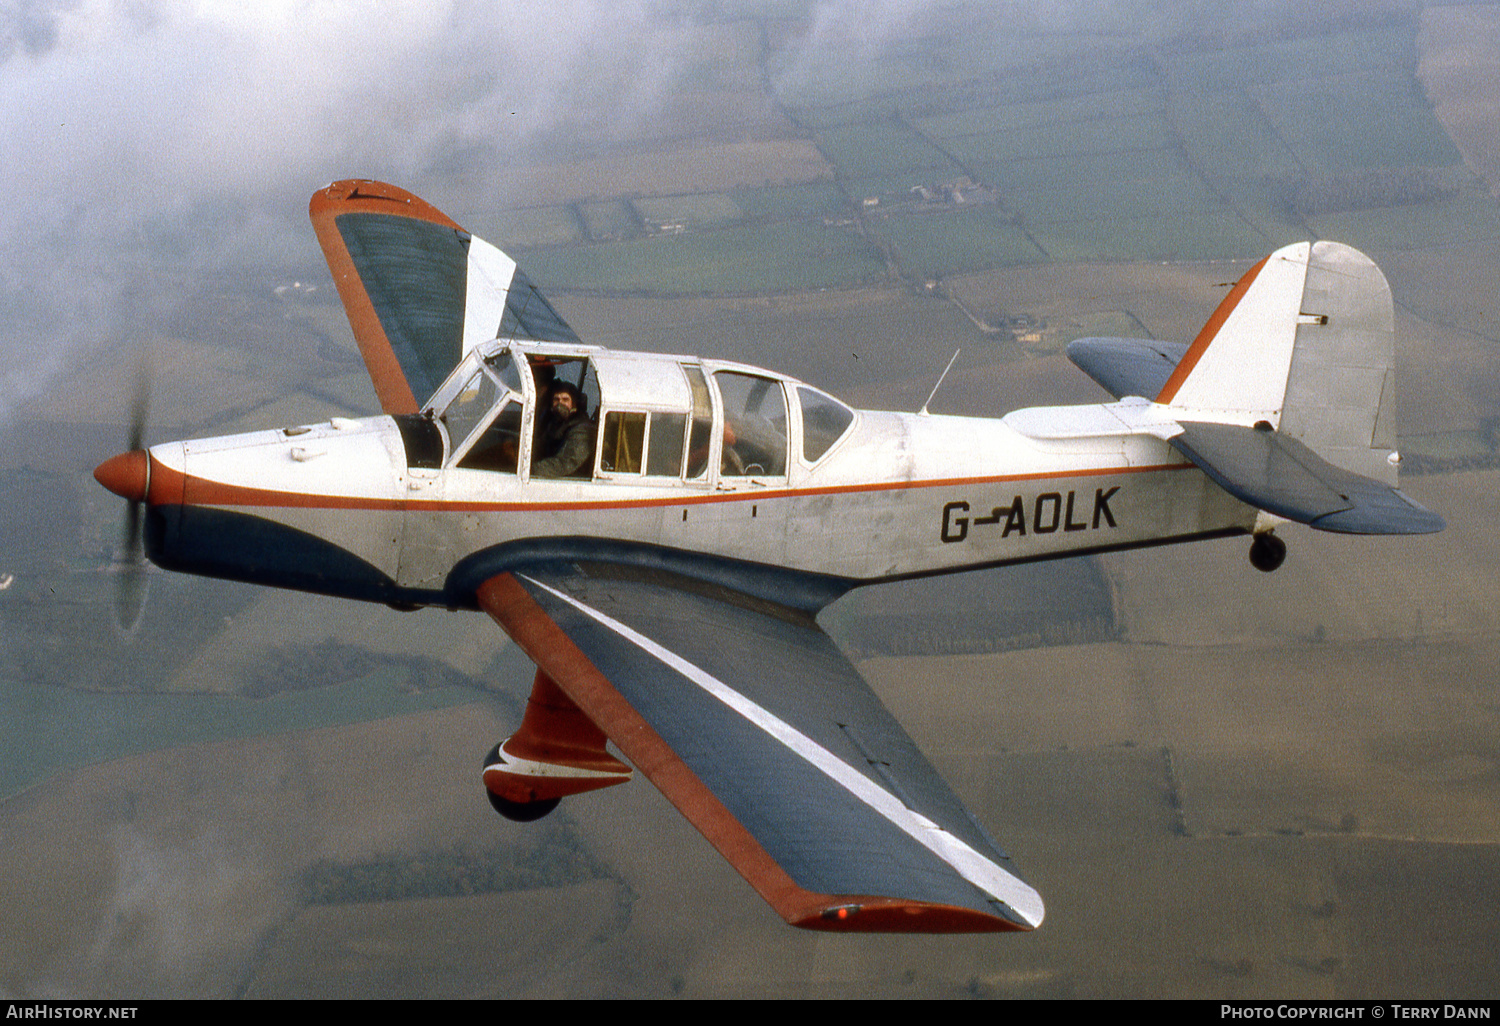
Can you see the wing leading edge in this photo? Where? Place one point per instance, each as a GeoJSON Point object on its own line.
{"type": "Point", "coordinates": [419, 290]}
{"type": "Point", "coordinates": [750, 721]}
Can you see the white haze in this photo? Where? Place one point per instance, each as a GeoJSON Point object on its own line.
{"type": "Point", "coordinates": [188, 134]}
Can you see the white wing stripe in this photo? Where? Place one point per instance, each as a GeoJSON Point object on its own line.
{"type": "Point", "coordinates": [970, 864]}
{"type": "Point", "coordinates": [488, 285]}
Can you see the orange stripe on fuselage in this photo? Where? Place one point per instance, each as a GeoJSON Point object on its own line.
{"type": "Point", "coordinates": [1206, 336]}
{"type": "Point", "coordinates": [197, 491]}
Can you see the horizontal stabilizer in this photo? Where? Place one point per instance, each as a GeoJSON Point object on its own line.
{"type": "Point", "coordinates": [1127, 366]}
{"type": "Point", "coordinates": [1277, 473]}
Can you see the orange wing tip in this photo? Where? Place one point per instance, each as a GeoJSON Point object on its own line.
{"type": "Point", "coordinates": [368, 195]}
{"type": "Point", "coordinates": [889, 915]}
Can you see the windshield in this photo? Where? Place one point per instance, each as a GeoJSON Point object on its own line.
{"type": "Point", "coordinates": [824, 421]}
{"type": "Point", "coordinates": [484, 419]}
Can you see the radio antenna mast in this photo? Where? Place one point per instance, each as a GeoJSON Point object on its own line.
{"type": "Point", "coordinates": [923, 412]}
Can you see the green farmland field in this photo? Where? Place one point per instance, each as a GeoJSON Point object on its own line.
{"type": "Point", "coordinates": [1357, 122]}
{"type": "Point", "coordinates": [1470, 218]}
{"type": "Point", "coordinates": [1112, 185]}
{"type": "Point", "coordinates": [1210, 235]}
{"type": "Point", "coordinates": [1334, 54]}
{"type": "Point", "coordinates": [694, 210]}
{"type": "Point", "coordinates": [860, 150]}
{"type": "Point", "coordinates": [1228, 150]}
{"type": "Point", "coordinates": [1068, 110]}
{"type": "Point", "coordinates": [533, 226]}
{"type": "Point", "coordinates": [1148, 131]}
{"type": "Point", "coordinates": [930, 245]}
{"type": "Point", "coordinates": [786, 256]}
{"type": "Point", "coordinates": [1228, 137]}
{"type": "Point", "coordinates": [803, 199]}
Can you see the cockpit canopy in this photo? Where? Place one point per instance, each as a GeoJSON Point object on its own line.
{"type": "Point", "coordinates": [573, 411]}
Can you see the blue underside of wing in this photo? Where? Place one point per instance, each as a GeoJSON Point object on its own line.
{"type": "Point", "coordinates": [778, 660]}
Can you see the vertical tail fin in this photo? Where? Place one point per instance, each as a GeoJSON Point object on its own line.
{"type": "Point", "coordinates": [1287, 396]}
{"type": "Point", "coordinates": [1305, 342]}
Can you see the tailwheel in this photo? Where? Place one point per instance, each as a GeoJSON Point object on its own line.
{"type": "Point", "coordinates": [1267, 552]}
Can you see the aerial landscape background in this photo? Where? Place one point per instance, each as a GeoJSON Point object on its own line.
{"type": "Point", "coordinates": [1225, 784]}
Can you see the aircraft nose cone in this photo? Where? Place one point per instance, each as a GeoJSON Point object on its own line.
{"type": "Point", "coordinates": [127, 474]}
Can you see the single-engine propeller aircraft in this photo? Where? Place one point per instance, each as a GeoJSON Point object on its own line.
{"type": "Point", "coordinates": [657, 533]}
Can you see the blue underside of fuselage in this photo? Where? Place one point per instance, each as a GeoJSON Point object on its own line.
{"type": "Point", "coordinates": [244, 547]}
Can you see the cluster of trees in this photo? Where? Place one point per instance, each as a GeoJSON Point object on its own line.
{"type": "Point", "coordinates": [559, 860]}
{"type": "Point", "coordinates": [1316, 195]}
{"type": "Point", "coordinates": [302, 667]}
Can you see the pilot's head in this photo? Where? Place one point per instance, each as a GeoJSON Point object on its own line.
{"type": "Point", "coordinates": [566, 400]}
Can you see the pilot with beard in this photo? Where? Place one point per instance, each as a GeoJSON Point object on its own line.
{"type": "Point", "coordinates": [565, 444]}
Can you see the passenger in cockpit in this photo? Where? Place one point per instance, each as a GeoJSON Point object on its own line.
{"type": "Point", "coordinates": [565, 444]}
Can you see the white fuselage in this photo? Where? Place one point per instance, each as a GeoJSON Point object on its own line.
{"type": "Point", "coordinates": [898, 495]}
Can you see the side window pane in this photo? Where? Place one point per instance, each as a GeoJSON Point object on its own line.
{"type": "Point", "coordinates": [665, 457]}
{"type": "Point", "coordinates": [496, 449]}
{"type": "Point", "coordinates": [754, 425]}
{"type": "Point", "coordinates": [824, 422]}
{"type": "Point", "coordinates": [703, 423]}
{"type": "Point", "coordinates": [563, 443]}
{"type": "Point", "coordinates": [504, 366]}
{"type": "Point", "coordinates": [624, 438]}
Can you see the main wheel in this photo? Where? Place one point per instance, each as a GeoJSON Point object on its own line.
{"type": "Point", "coordinates": [519, 812]}
{"type": "Point", "coordinates": [1267, 552]}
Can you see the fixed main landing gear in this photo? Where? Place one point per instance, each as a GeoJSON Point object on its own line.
{"type": "Point", "coordinates": [519, 812]}
{"type": "Point", "coordinates": [557, 752]}
{"type": "Point", "coordinates": [1267, 552]}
